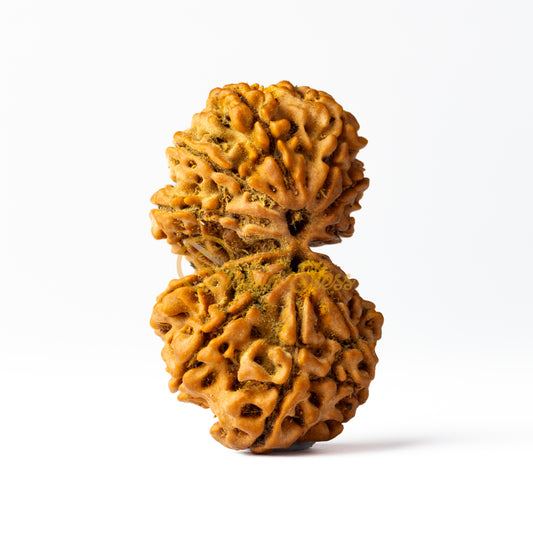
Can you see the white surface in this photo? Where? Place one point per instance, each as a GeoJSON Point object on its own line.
{"type": "Point", "coordinates": [90, 96]}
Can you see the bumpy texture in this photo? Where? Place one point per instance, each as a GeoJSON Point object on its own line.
{"type": "Point", "coordinates": [262, 168]}
{"type": "Point", "coordinates": [271, 336]}
{"type": "Point", "coordinates": [280, 350]}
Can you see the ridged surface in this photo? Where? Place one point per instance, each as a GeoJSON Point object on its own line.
{"type": "Point", "coordinates": [279, 354]}
{"type": "Point", "coordinates": [260, 168]}
{"type": "Point", "coordinates": [271, 336]}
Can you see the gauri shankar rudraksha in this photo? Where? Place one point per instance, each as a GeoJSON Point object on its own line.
{"type": "Point", "coordinates": [271, 336]}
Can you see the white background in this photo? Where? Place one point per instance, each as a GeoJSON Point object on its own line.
{"type": "Point", "coordinates": [90, 96]}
